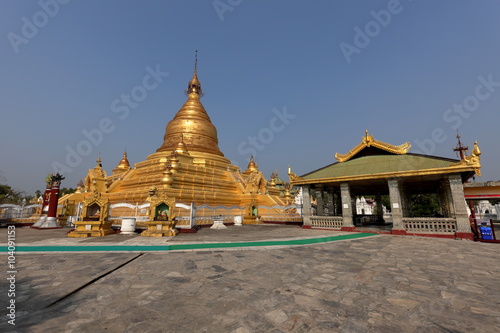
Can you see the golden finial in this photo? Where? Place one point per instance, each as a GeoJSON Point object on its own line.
{"type": "Point", "coordinates": [195, 60]}
{"type": "Point", "coordinates": [181, 146]}
{"type": "Point", "coordinates": [252, 166]}
{"type": "Point", "coordinates": [460, 149]}
{"type": "Point", "coordinates": [124, 163]}
{"type": "Point", "coordinates": [98, 161]}
{"type": "Point", "coordinates": [194, 86]}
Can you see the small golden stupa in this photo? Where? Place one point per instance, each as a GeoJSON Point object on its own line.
{"type": "Point", "coordinates": [187, 170]}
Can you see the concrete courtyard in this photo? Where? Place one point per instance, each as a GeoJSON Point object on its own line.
{"type": "Point", "coordinates": [379, 283]}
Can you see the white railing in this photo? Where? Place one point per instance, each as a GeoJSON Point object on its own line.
{"type": "Point", "coordinates": [334, 222]}
{"type": "Point", "coordinates": [432, 225]}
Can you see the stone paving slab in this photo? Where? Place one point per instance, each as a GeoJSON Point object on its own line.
{"type": "Point", "coordinates": [375, 284]}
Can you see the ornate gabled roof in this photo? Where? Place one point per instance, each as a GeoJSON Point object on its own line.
{"type": "Point", "coordinates": [369, 141]}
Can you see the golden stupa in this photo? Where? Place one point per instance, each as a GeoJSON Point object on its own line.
{"type": "Point", "coordinates": [187, 182]}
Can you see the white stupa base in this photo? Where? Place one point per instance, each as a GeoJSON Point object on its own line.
{"type": "Point", "coordinates": [218, 224]}
{"type": "Point", "coordinates": [238, 221]}
{"type": "Point", "coordinates": [38, 223]}
{"type": "Point", "coordinates": [128, 226]}
{"type": "Point", "coordinates": [46, 223]}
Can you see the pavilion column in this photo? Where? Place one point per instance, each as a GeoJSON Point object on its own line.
{"type": "Point", "coordinates": [445, 199]}
{"type": "Point", "coordinates": [396, 206]}
{"type": "Point", "coordinates": [460, 207]}
{"type": "Point", "coordinates": [329, 202]}
{"type": "Point", "coordinates": [306, 206]}
{"type": "Point", "coordinates": [320, 204]}
{"type": "Point", "coordinates": [405, 199]}
{"type": "Point", "coordinates": [345, 194]}
{"type": "Point", "coordinates": [338, 203]}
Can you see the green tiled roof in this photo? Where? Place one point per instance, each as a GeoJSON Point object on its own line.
{"type": "Point", "coordinates": [376, 164]}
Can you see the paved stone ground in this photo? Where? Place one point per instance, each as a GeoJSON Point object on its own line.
{"type": "Point", "coordinates": [376, 284]}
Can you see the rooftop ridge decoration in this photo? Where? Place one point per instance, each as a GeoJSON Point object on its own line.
{"type": "Point", "coordinates": [369, 141]}
{"type": "Point", "coordinates": [474, 160]}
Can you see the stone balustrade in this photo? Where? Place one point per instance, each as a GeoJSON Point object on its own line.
{"type": "Point", "coordinates": [334, 222]}
{"type": "Point", "coordinates": [433, 225]}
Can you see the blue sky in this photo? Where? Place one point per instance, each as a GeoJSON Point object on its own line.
{"type": "Point", "coordinates": [304, 79]}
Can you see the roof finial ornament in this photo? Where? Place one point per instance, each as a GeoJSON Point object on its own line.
{"type": "Point", "coordinates": [194, 86]}
{"type": "Point", "coordinates": [195, 60]}
{"type": "Point", "coordinates": [460, 148]}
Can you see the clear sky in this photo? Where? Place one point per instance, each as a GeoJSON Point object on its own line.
{"type": "Point", "coordinates": [292, 81]}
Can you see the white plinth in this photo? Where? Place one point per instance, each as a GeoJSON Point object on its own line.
{"type": "Point", "coordinates": [238, 221]}
{"type": "Point", "coordinates": [218, 224]}
{"type": "Point", "coordinates": [128, 226]}
{"type": "Point", "coordinates": [39, 223]}
{"type": "Point", "coordinates": [46, 223]}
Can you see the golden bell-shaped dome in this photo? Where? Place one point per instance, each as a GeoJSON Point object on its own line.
{"type": "Point", "coordinates": [252, 166]}
{"type": "Point", "coordinates": [193, 123]}
{"type": "Point", "coordinates": [124, 164]}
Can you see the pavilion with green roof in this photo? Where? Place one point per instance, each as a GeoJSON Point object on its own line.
{"type": "Point", "coordinates": [380, 169]}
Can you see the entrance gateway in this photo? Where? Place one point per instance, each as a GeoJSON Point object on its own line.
{"type": "Point", "coordinates": [385, 171]}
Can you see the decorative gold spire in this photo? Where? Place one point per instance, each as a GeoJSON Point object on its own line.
{"type": "Point", "coordinates": [194, 86]}
{"type": "Point", "coordinates": [460, 148]}
{"type": "Point", "coordinates": [181, 146]}
{"type": "Point", "coordinates": [98, 161]}
{"type": "Point", "coordinates": [252, 166]}
{"type": "Point", "coordinates": [124, 163]}
{"type": "Point", "coordinates": [193, 122]}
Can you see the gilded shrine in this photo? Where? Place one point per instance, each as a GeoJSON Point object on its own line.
{"type": "Point", "coordinates": [185, 184]}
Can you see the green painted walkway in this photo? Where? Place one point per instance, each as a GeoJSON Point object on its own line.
{"type": "Point", "coordinates": [146, 248]}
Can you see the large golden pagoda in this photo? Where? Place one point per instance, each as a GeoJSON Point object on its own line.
{"type": "Point", "coordinates": [188, 169]}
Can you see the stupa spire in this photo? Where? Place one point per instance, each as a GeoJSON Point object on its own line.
{"type": "Point", "coordinates": [199, 135]}
{"type": "Point", "coordinates": [194, 86]}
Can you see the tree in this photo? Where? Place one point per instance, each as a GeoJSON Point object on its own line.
{"type": "Point", "coordinates": [426, 204]}
{"type": "Point", "coordinates": [9, 195]}
{"type": "Point", "coordinates": [65, 191]}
